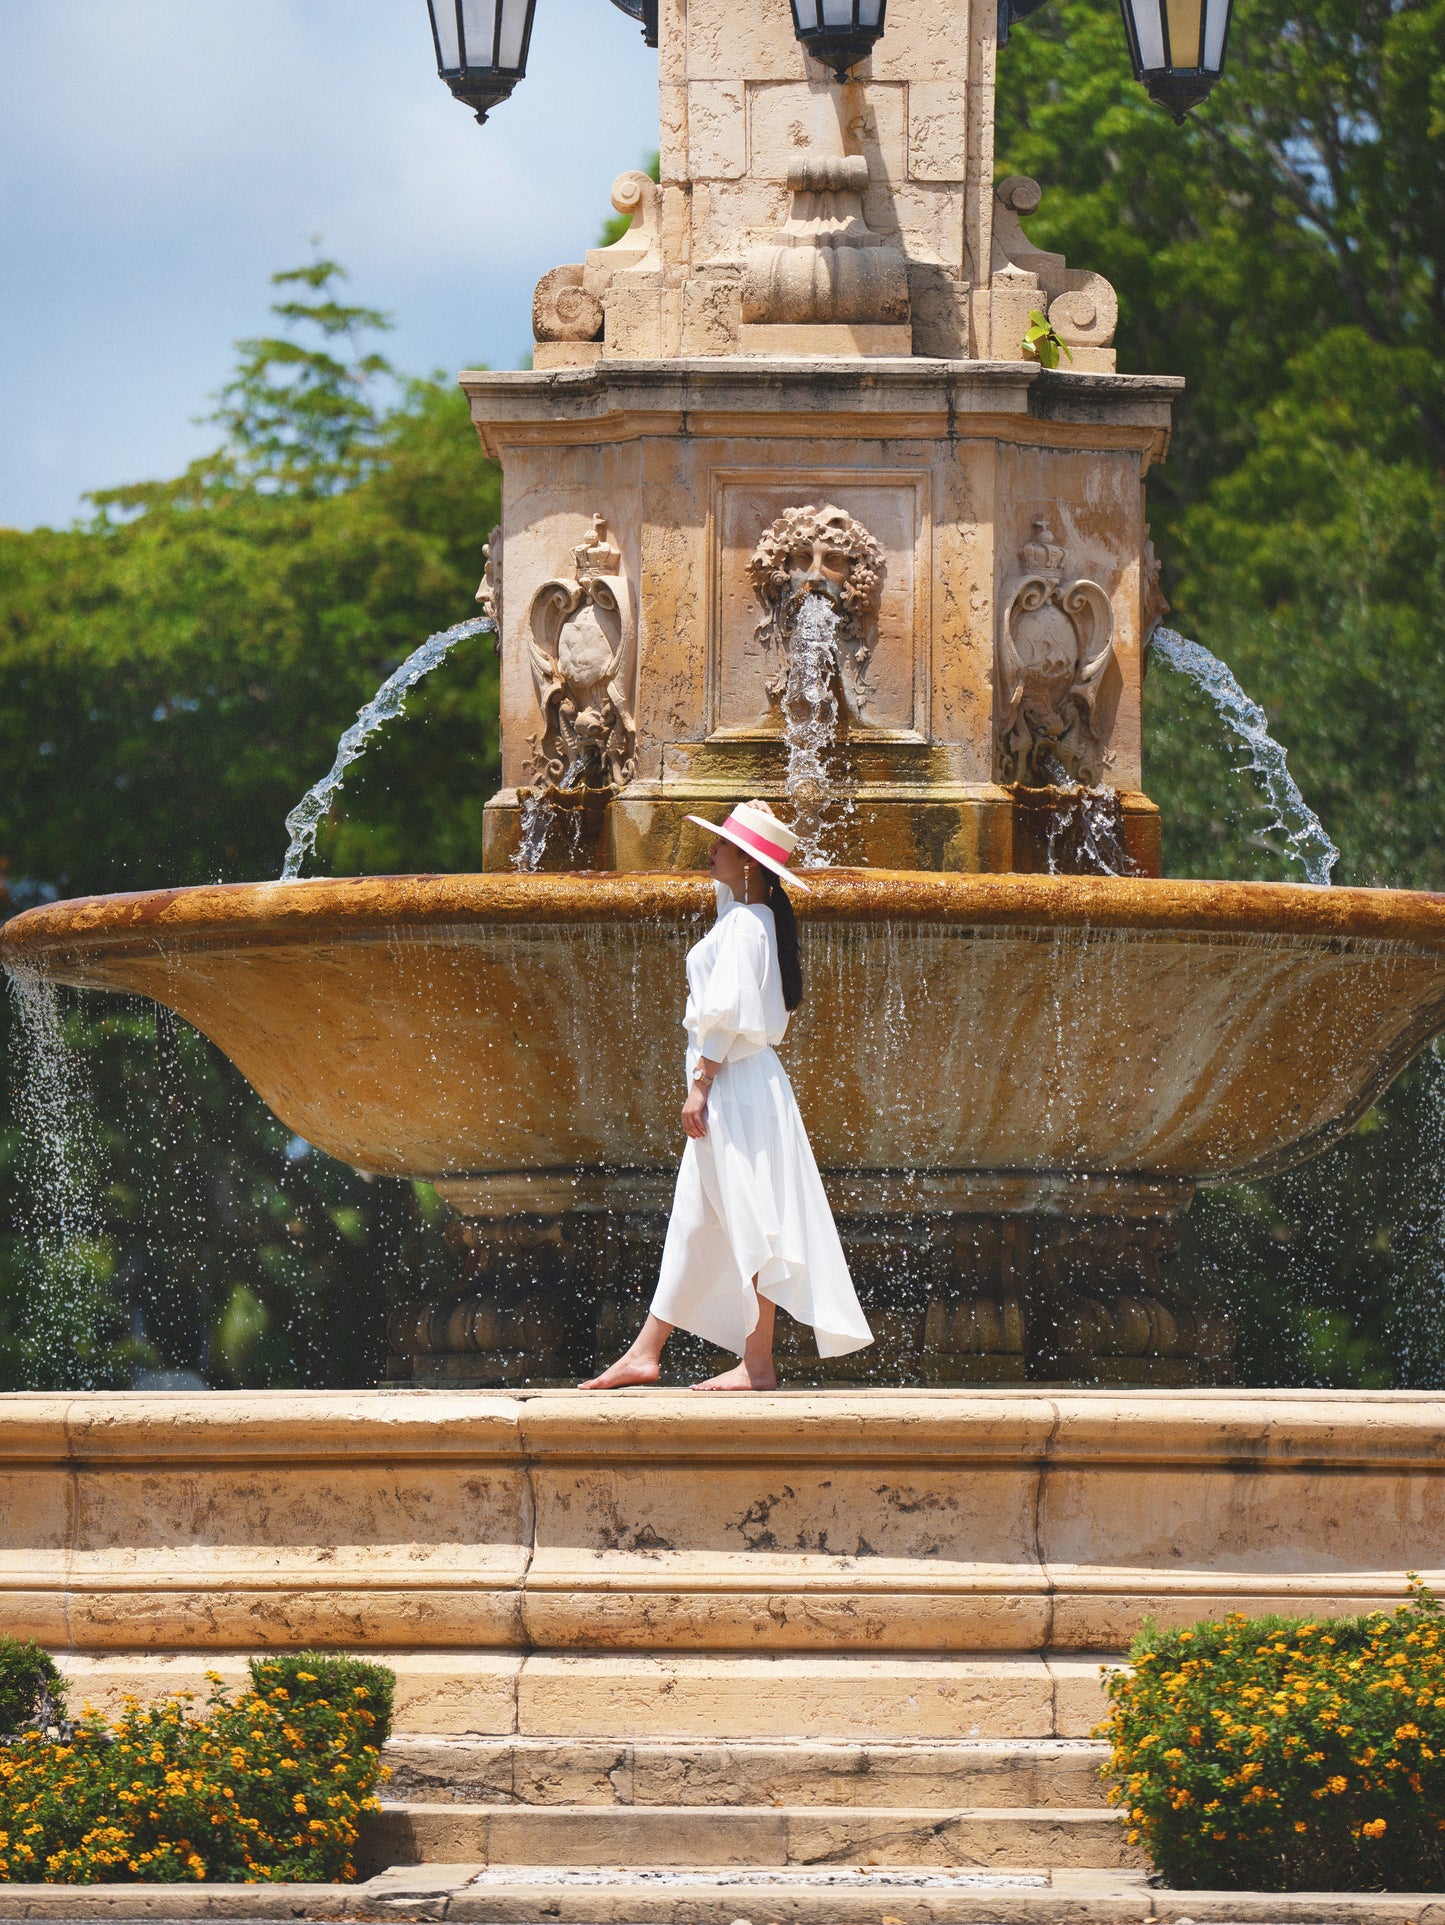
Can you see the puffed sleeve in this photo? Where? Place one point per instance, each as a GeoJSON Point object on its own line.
{"type": "Point", "coordinates": [732, 1008]}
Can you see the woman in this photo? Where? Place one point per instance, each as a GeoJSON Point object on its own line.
{"type": "Point", "coordinates": [750, 1225]}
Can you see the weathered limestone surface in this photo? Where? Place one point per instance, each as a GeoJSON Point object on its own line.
{"type": "Point", "coordinates": [951, 467]}
{"type": "Point", "coordinates": [576, 1530]}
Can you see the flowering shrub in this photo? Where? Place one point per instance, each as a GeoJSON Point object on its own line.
{"type": "Point", "coordinates": [267, 1786]}
{"type": "Point", "coordinates": [1284, 1755]}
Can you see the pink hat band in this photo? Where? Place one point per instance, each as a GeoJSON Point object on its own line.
{"type": "Point", "coordinates": [759, 844]}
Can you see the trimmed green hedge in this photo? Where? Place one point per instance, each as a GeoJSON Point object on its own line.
{"type": "Point", "coordinates": [1283, 1754]}
{"type": "Point", "coordinates": [29, 1685]}
{"type": "Point", "coordinates": [268, 1786]}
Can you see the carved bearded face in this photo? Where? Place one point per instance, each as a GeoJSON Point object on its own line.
{"type": "Point", "coordinates": [820, 565]}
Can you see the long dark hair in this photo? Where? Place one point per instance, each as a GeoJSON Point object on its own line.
{"type": "Point", "coordinates": [790, 962]}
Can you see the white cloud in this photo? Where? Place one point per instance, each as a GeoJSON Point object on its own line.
{"type": "Point", "coordinates": [160, 158]}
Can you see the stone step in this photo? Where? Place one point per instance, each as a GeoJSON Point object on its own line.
{"type": "Point", "coordinates": [645, 1695]}
{"type": "Point", "coordinates": [682, 1895]}
{"type": "Point", "coordinates": [745, 1835]}
{"type": "Point", "coordinates": [1020, 1772]}
{"type": "Point", "coordinates": [694, 1895]}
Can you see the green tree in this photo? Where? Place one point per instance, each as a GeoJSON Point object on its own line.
{"type": "Point", "coordinates": [176, 671]}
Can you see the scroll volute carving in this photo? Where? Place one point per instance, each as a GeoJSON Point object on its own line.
{"type": "Point", "coordinates": [1082, 307]}
{"type": "Point", "coordinates": [567, 304]}
{"type": "Point", "coordinates": [819, 551]}
{"type": "Point", "coordinates": [582, 644]}
{"type": "Point", "coordinates": [563, 309]}
{"type": "Point", "coordinates": [1056, 675]}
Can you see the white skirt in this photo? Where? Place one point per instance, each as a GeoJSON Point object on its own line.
{"type": "Point", "coordinates": [750, 1203]}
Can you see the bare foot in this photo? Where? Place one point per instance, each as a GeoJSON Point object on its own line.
{"type": "Point", "coordinates": [743, 1376]}
{"type": "Point", "coordinates": [627, 1370]}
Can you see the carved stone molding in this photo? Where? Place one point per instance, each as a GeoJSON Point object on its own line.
{"type": "Point", "coordinates": [825, 265]}
{"type": "Point", "coordinates": [1082, 308]}
{"type": "Point", "coordinates": [1054, 654]}
{"type": "Point", "coordinates": [583, 644]}
{"type": "Point", "coordinates": [819, 550]}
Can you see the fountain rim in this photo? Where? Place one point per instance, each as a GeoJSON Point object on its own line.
{"type": "Point", "coordinates": [285, 912]}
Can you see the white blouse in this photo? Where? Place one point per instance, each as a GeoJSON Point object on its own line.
{"type": "Point", "coordinates": [735, 990]}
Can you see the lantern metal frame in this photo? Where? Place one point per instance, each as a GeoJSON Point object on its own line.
{"type": "Point", "coordinates": [480, 87]}
{"type": "Point", "coordinates": [1180, 84]}
{"type": "Point", "coordinates": [839, 46]}
{"type": "Point", "coordinates": [645, 13]}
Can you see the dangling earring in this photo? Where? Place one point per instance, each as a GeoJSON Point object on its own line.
{"type": "Point", "coordinates": [747, 880]}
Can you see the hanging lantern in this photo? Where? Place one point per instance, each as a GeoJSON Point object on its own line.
{"type": "Point", "coordinates": [481, 48]}
{"type": "Point", "coordinates": [840, 33]}
{"type": "Point", "coordinates": [1177, 47]}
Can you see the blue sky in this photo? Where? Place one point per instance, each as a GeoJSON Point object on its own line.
{"type": "Point", "coordinates": [159, 159]}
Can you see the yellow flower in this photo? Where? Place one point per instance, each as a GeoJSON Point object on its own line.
{"type": "Point", "coordinates": [1375, 1828]}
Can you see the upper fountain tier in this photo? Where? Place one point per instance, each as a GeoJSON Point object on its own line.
{"type": "Point", "coordinates": [795, 216]}
{"type": "Point", "coordinates": [803, 367]}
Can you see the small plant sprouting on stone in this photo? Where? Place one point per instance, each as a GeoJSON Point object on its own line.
{"type": "Point", "coordinates": [1042, 343]}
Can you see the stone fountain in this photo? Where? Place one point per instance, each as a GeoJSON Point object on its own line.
{"type": "Point", "coordinates": [783, 496]}
{"type": "Point", "coordinates": [794, 400]}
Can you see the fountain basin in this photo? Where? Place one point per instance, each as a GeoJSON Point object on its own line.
{"type": "Point", "coordinates": [1012, 1030]}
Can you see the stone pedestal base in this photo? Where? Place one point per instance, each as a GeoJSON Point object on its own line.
{"type": "Point", "coordinates": [1085, 832]}
{"type": "Point", "coordinates": [897, 810]}
{"type": "Point", "coordinates": [965, 1280]}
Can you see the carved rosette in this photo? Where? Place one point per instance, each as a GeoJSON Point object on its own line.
{"type": "Point", "coordinates": [582, 644]}
{"type": "Point", "coordinates": [1054, 658]}
{"type": "Point", "coordinates": [819, 551]}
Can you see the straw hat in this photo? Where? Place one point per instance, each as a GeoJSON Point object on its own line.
{"type": "Point", "coordinates": [753, 828]}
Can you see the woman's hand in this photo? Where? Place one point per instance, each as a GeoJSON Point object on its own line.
{"type": "Point", "coordinates": [694, 1111]}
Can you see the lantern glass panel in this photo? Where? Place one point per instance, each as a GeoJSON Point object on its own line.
{"type": "Point", "coordinates": [1216, 20]}
{"type": "Point", "coordinates": [479, 31]}
{"type": "Point", "coordinates": [1149, 31]}
{"type": "Point", "coordinates": [513, 37]}
{"type": "Point", "coordinates": [805, 15]}
{"type": "Point", "coordinates": [837, 13]}
{"type": "Point", "coordinates": [1184, 35]}
{"type": "Point", "coordinates": [870, 12]}
{"type": "Point", "coordinates": [449, 46]}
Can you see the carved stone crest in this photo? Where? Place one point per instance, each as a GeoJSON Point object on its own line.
{"type": "Point", "coordinates": [819, 551]}
{"type": "Point", "coordinates": [582, 645]}
{"type": "Point", "coordinates": [1055, 651]}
